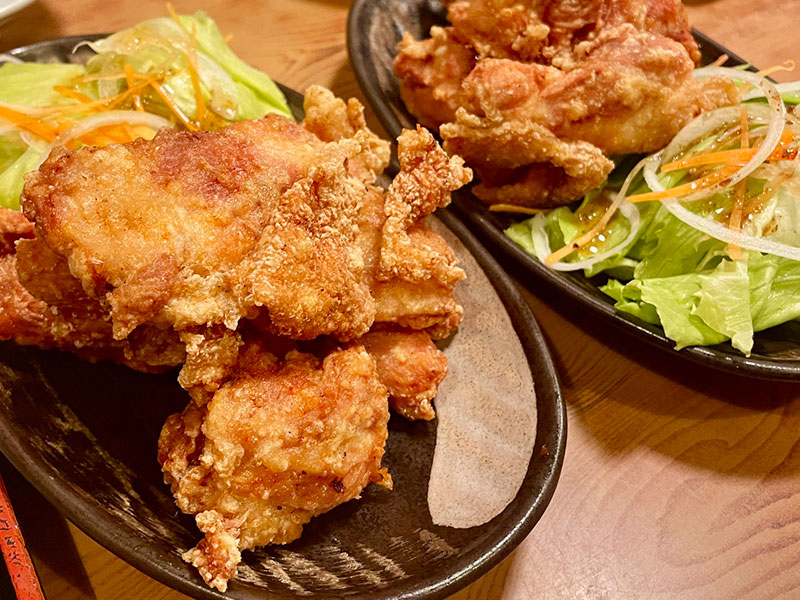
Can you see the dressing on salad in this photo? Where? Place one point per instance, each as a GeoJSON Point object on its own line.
{"type": "Point", "coordinates": [703, 237]}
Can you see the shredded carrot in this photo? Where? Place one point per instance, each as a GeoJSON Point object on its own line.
{"type": "Point", "coordinates": [782, 150]}
{"type": "Point", "coordinates": [740, 191]}
{"type": "Point", "coordinates": [726, 157]}
{"type": "Point", "coordinates": [74, 94]}
{"type": "Point", "coordinates": [130, 77]}
{"type": "Point", "coordinates": [513, 208]}
{"type": "Point", "coordinates": [172, 106]}
{"type": "Point", "coordinates": [698, 184]}
{"type": "Point", "coordinates": [582, 240]}
{"type": "Point", "coordinates": [734, 157]}
{"type": "Point", "coordinates": [719, 61]}
{"type": "Point", "coordinates": [172, 13]}
{"type": "Point", "coordinates": [191, 64]}
{"type": "Point", "coordinates": [735, 220]}
{"type": "Point", "coordinates": [24, 121]}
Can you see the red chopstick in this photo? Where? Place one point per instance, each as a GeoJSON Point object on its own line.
{"type": "Point", "coordinates": [18, 561]}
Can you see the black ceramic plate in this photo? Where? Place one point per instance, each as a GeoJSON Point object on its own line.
{"type": "Point", "coordinates": [374, 29]}
{"type": "Point", "coordinates": [85, 435]}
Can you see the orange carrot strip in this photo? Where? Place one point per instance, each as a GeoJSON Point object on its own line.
{"type": "Point", "coordinates": [173, 14]}
{"type": "Point", "coordinates": [191, 64]}
{"type": "Point", "coordinates": [787, 137]}
{"type": "Point", "coordinates": [582, 240]}
{"type": "Point", "coordinates": [711, 158]}
{"type": "Point", "coordinates": [173, 107]}
{"type": "Point", "coordinates": [697, 184]}
{"type": "Point", "coordinates": [739, 192]}
{"type": "Point", "coordinates": [26, 122]}
{"type": "Point", "coordinates": [735, 220]}
{"type": "Point", "coordinates": [74, 94]}
{"type": "Point", "coordinates": [131, 80]}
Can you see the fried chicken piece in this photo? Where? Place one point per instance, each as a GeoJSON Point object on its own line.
{"type": "Point", "coordinates": [263, 223]}
{"type": "Point", "coordinates": [431, 72]}
{"type": "Point", "coordinates": [538, 136]}
{"type": "Point", "coordinates": [83, 326]}
{"type": "Point", "coordinates": [411, 270]}
{"type": "Point", "coordinates": [410, 366]}
{"type": "Point", "coordinates": [501, 28]}
{"type": "Point", "coordinates": [13, 226]}
{"type": "Point", "coordinates": [557, 87]}
{"type": "Point", "coordinates": [280, 442]}
{"type": "Point", "coordinates": [200, 229]}
{"type": "Point", "coordinates": [244, 244]}
{"type": "Point", "coordinates": [548, 31]}
{"type": "Point", "coordinates": [332, 120]}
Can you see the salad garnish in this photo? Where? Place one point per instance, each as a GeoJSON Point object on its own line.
{"type": "Point", "coordinates": [175, 71]}
{"type": "Point", "coordinates": [702, 237]}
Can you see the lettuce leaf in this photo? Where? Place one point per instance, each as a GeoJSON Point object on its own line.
{"type": "Point", "coordinates": [233, 90]}
{"type": "Point", "coordinates": [31, 84]}
{"type": "Point", "coordinates": [729, 302]}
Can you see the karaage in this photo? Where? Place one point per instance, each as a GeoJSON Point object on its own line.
{"type": "Point", "coordinates": [554, 88]}
{"type": "Point", "coordinates": [280, 442]}
{"type": "Point", "coordinates": [299, 297]}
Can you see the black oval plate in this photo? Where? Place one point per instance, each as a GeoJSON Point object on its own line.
{"type": "Point", "coordinates": [85, 436]}
{"type": "Point", "coordinates": [373, 31]}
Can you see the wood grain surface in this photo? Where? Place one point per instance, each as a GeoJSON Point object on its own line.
{"type": "Point", "coordinates": [678, 482]}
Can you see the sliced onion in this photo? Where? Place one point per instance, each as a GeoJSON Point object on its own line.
{"type": "Point", "coordinates": [711, 227]}
{"type": "Point", "coordinates": [33, 140]}
{"type": "Point", "coordinates": [707, 122]}
{"type": "Point", "coordinates": [630, 211]}
{"type": "Point", "coordinates": [783, 88]}
{"type": "Point", "coordinates": [777, 121]}
{"type": "Point", "coordinates": [5, 57]}
{"type": "Point", "coordinates": [111, 117]}
{"type": "Point", "coordinates": [723, 233]}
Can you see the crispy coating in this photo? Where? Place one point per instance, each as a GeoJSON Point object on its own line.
{"type": "Point", "coordinates": [83, 326]}
{"type": "Point", "coordinates": [558, 87]}
{"type": "Point", "coordinates": [414, 280]}
{"type": "Point", "coordinates": [280, 442]}
{"type": "Point", "coordinates": [207, 228]}
{"type": "Point", "coordinates": [13, 226]}
{"type": "Point", "coordinates": [431, 72]}
{"type": "Point", "coordinates": [550, 30]}
{"type": "Point", "coordinates": [332, 119]}
{"type": "Point", "coordinates": [239, 246]}
{"type": "Point", "coordinates": [410, 366]}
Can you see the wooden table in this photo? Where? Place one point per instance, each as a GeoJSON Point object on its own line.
{"type": "Point", "coordinates": [678, 482]}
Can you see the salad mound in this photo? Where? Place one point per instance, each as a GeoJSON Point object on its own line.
{"type": "Point", "coordinates": [703, 237]}
{"type": "Point", "coordinates": [173, 71]}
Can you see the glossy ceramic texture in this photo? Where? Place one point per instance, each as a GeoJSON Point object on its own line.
{"type": "Point", "coordinates": [374, 29]}
{"type": "Point", "coordinates": [85, 435]}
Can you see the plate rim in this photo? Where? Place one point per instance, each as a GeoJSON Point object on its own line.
{"type": "Point", "coordinates": [145, 556]}
{"type": "Point", "coordinates": [479, 220]}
